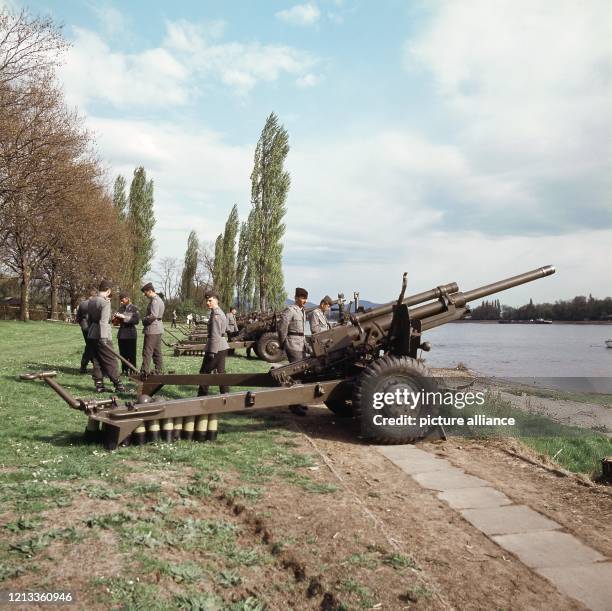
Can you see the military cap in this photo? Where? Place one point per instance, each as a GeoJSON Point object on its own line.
{"type": "Point", "coordinates": [327, 299]}
{"type": "Point", "coordinates": [300, 292]}
{"type": "Point", "coordinates": [210, 294]}
{"type": "Point", "coordinates": [105, 285]}
{"type": "Point", "coordinates": [148, 287]}
{"type": "Point", "coordinates": [123, 295]}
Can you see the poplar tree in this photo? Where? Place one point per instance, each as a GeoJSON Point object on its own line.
{"type": "Point", "coordinates": [218, 264]}
{"type": "Point", "coordinates": [241, 268]}
{"type": "Point", "coordinates": [190, 267]}
{"type": "Point", "coordinates": [228, 264]}
{"type": "Point", "coordinates": [269, 187]}
{"type": "Point", "coordinates": [119, 197]}
{"type": "Point", "coordinates": [140, 220]}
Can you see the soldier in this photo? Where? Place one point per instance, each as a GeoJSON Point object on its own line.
{"type": "Point", "coordinates": [127, 336]}
{"type": "Point", "coordinates": [100, 339]}
{"type": "Point", "coordinates": [153, 329]}
{"type": "Point", "coordinates": [174, 317]}
{"type": "Point", "coordinates": [82, 317]}
{"type": "Point", "coordinates": [291, 327]}
{"type": "Point", "coordinates": [232, 325]}
{"type": "Point", "coordinates": [318, 318]}
{"type": "Point", "coordinates": [216, 345]}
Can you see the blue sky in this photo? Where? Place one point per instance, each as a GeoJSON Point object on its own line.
{"type": "Point", "coordinates": [462, 141]}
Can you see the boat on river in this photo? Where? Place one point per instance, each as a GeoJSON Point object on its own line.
{"type": "Point", "coordinates": [609, 343]}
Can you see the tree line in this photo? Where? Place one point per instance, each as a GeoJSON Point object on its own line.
{"type": "Point", "coordinates": [244, 264]}
{"type": "Point", "coordinates": [59, 229]}
{"type": "Point", "coordinates": [580, 308]}
{"type": "Point", "coordinates": [64, 227]}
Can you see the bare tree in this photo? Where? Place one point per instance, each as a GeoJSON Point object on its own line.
{"type": "Point", "coordinates": [168, 272]}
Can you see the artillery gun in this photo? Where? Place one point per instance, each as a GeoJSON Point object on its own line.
{"type": "Point", "coordinates": [259, 335]}
{"type": "Point", "coordinates": [351, 366]}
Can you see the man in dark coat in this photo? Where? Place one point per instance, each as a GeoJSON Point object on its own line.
{"type": "Point", "coordinates": [127, 336]}
{"type": "Point", "coordinates": [153, 329]}
{"type": "Point", "coordinates": [99, 338]}
{"type": "Point", "coordinates": [82, 317]}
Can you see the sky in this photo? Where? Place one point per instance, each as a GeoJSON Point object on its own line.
{"type": "Point", "coordinates": [461, 141]}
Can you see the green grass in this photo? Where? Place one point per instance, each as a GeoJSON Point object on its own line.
{"type": "Point", "coordinates": [576, 449]}
{"type": "Point", "coordinates": [45, 466]}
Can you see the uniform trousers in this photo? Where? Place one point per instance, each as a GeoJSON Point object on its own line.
{"type": "Point", "coordinates": [295, 355]}
{"type": "Point", "coordinates": [210, 363]}
{"type": "Point", "coordinates": [104, 361]}
{"type": "Point", "coordinates": [127, 349]}
{"type": "Point", "coordinates": [87, 354]}
{"type": "Point", "coordinates": [151, 349]}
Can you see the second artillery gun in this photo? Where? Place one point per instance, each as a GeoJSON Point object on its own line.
{"type": "Point", "coordinates": [374, 355]}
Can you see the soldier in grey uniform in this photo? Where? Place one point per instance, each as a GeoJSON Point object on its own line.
{"type": "Point", "coordinates": [232, 325]}
{"type": "Point", "coordinates": [82, 317]}
{"type": "Point", "coordinates": [318, 319]}
{"type": "Point", "coordinates": [291, 327]}
{"type": "Point", "coordinates": [216, 346]}
{"type": "Point", "coordinates": [100, 339]}
{"type": "Point", "coordinates": [153, 329]}
{"type": "Point", "coordinates": [127, 336]}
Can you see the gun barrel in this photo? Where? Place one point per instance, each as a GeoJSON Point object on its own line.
{"type": "Point", "coordinates": [460, 299]}
{"type": "Point", "coordinates": [409, 301]}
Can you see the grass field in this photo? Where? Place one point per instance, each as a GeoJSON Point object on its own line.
{"type": "Point", "coordinates": [59, 495]}
{"type": "Point", "coordinates": [138, 528]}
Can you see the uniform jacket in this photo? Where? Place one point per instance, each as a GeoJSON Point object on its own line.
{"type": "Point", "coordinates": [291, 328]}
{"type": "Point", "coordinates": [232, 326]}
{"type": "Point", "coordinates": [99, 314]}
{"type": "Point", "coordinates": [217, 331]}
{"type": "Point", "coordinates": [152, 322]}
{"type": "Point", "coordinates": [82, 314]}
{"type": "Point", "coordinates": [318, 321]}
{"type": "Point", "coordinates": [127, 328]}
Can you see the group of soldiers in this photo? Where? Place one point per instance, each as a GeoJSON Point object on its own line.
{"type": "Point", "coordinates": [95, 320]}
{"type": "Point", "coordinates": [94, 317]}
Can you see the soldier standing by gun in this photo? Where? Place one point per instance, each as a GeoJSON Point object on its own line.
{"type": "Point", "coordinates": [232, 325]}
{"type": "Point", "coordinates": [216, 345]}
{"type": "Point", "coordinates": [100, 339]}
{"type": "Point", "coordinates": [291, 327]}
{"type": "Point", "coordinates": [291, 335]}
{"type": "Point", "coordinates": [82, 317]}
{"type": "Point", "coordinates": [153, 329]}
{"type": "Point", "coordinates": [127, 336]}
{"type": "Point", "coordinates": [318, 319]}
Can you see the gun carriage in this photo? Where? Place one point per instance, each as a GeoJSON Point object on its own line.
{"type": "Point", "coordinates": [375, 352]}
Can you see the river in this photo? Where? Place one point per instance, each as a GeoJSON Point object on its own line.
{"type": "Point", "coordinates": [523, 351]}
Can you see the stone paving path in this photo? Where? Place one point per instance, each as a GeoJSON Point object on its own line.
{"type": "Point", "coordinates": [572, 567]}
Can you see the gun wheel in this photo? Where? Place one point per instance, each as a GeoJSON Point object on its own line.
{"type": "Point", "coordinates": [269, 349]}
{"type": "Point", "coordinates": [391, 376]}
{"type": "Point", "coordinates": [340, 401]}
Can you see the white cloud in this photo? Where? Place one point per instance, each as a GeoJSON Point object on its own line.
{"type": "Point", "coordinates": [168, 75]}
{"type": "Point", "coordinates": [300, 14]}
{"type": "Point", "coordinates": [308, 80]}
{"type": "Point", "coordinates": [531, 81]}
{"type": "Point", "coordinates": [112, 19]}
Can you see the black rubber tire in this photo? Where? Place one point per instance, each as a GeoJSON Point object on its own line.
{"type": "Point", "coordinates": [385, 375]}
{"type": "Point", "coordinates": [342, 409]}
{"type": "Point", "coordinates": [268, 348]}
{"type": "Point", "coordinates": [340, 400]}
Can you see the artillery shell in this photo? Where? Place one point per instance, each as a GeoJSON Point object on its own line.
{"type": "Point", "coordinates": [139, 436]}
{"type": "Point", "coordinates": [213, 424]}
{"type": "Point", "coordinates": [167, 430]}
{"type": "Point", "coordinates": [153, 430]}
{"type": "Point", "coordinates": [188, 427]}
{"type": "Point", "coordinates": [201, 426]}
{"type": "Point", "coordinates": [92, 430]}
{"type": "Point", "coordinates": [178, 428]}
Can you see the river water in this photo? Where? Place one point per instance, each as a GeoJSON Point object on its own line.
{"type": "Point", "coordinates": [537, 351]}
